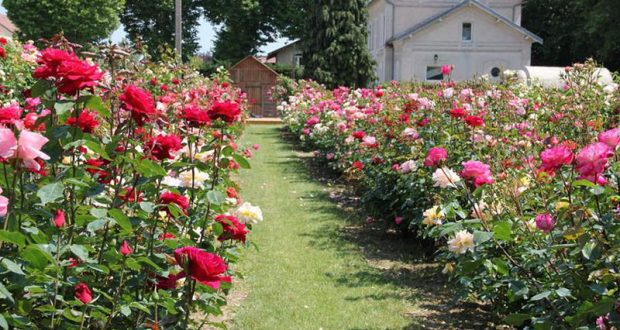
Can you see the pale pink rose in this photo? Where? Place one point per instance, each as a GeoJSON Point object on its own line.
{"type": "Point", "coordinates": [29, 149]}
{"type": "Point", "coordinates": [591, 161]}
{"type": "Point", "coordinates": [330, 156]}
{"type": "Point", "coordinates": [370, 141]}
{"type": "Point", "coordinates": [8, 143]}
{"type": "Point", "coordinates": [4, 205]}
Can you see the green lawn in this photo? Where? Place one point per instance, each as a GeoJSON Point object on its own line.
{"type": "Point", "coordinates": [304, 274]}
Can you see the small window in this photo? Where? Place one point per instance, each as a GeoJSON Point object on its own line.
{"type": "Point", "coordinates": [297, 60]}
{"type": "Point", "coordinates": [495, 72]}
{"type": "Point", "coordinates": [466, 31]}
{"type": "Point", "coordinates": [434, 73]}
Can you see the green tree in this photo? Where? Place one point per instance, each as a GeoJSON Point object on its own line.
{"type": "Point", "coordinates": [81, 21]}
{"type": "Point", "coordinates": [335, 43]}
{"type": "Point", "coordinates": [152, 23]}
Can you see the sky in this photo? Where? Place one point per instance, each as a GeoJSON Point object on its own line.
{"type": "Point", "coordinates": [206, 34]}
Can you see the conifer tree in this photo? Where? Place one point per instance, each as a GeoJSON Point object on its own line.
{"type": "Point", "coordinates": [335, 44]}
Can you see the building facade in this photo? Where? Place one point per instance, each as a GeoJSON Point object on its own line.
{"type": "Point", "coordinates": [413, 39]}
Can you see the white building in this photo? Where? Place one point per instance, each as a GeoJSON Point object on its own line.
{"type": "Point", "coordinates": [413, 39]}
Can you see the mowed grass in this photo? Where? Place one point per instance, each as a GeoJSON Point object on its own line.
{"type": "Point", "coordinates": [305, 275]}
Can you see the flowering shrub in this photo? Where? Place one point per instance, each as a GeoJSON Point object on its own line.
{"type": "Point", "coordinates": [117, 205]}
{"type": "Point", "coordinates": [517, 185]}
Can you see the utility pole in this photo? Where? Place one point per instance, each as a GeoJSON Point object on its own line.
{"type": "Point", "coordinates": [178, 30]}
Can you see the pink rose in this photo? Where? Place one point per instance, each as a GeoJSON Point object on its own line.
{"type": "Point", "coordinates": [435, 157]}
{"type": "Point", "coordinates": [591, 161]}
{"type": "Point", "coordinates": [29, 149]}
{"type": "Point", "coordinates": [446, 70]}
{"type": "Point", "coordinates": [610, 137]}
{"type": "Point", "coordinates": [545, 222]}
{"type": "Point", "coordinates": [8, 143]}
{"type": "Point", "coordinates": [477, 172]}
{"type": "Point", "coordinates": [556, 157]}
{"type": "Point", "coordinates": [4, 205]}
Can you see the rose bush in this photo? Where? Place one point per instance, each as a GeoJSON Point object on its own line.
{"type": "Point", "coordinates": [517, 186]}
{"type": "Point", "coordinates": [117, 203]}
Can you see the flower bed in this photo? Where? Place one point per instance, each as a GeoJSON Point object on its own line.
{"type": "Point", "coordinates": [117, 205]}
{"type": "Point", "coordinates": [518, 186]}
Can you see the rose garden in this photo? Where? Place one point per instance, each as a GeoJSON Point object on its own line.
{"type": "Point", "coordinates": [137, 193]}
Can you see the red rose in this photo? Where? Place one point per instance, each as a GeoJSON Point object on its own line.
{"type": "Point", "coordinates": [83, 293]}
{"type": "Point", "coordinates": [359, 135]}
{"type": "Point", "coordinates": [3, 40]}
{"type": "Point", "coordinates": [131, 195]}
{"type": "Point", "coordinates": [76, 75]}
{"type": "Point", "coordinates": [195, 116]}
{"type": "Point", "coordinates": [125, 249]}
{"type": "Point", "coordinates": [165, 236]}
{"type": "Point", "coordinates": [94, 167]}
{"type": "Point", "coordinates": [227, 111]}
{"type": "Point", "coordinates": [153, 81]}
{"type": "Point", "coordinates": [231, 192]}
{"type": "Point", "coordinates": [176, 81]}
{"type": "Point", "coordinates": [458, 113]}
{"type": "Point", "coordinates": [358, 165]}
{"type": "Point", "coordinates": [170, 282]}
{"type": "Point", "coordinates": [59, 219]}
{"type": "Point", "coordinates": [172, 198]}
{"type": "Point", "coordinates": [140, 103]}
{"type": "Point", "coordinates": [2, 52]}
{"type": "Point", "coordinates": [233, 229]}
{"type": "Point", "coordinates": [87, 121]}
{"type": "Point", "coordinates": [49, 61]}
{"type": "Point", "coordinates": [474, 121]}
{"type": "Point", "coordinates": [202, 266]}
{"type": "Point", "coordinates": [162, 146]}
{"type": "Point", "coordinates": [10, 114]}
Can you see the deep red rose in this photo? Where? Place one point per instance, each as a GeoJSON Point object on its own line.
{"type": "Point", "coordinates": [359, 135]}
{"type": "Point", "coordinates": [83, 293]}
{"type": "Point", "coordinates": [2, 52]}
{"type": "Point", "coordinates": [195, 116]}
{"type": "Point", "coordinates": [202, 266]}
{"type": "Point", "coordinates": [153, 81]}
{"type": "Point", "coordinates": [172, 198]}
{"type": "Point", "coordinates": [94, 167]}
{"type": "Point", "coordinates": [474, 121]}
{"type": "Point", "coordinates": [227, 111]}
{"type": "Point", "coordinates": [233, 229]}
{"type": "Point", "coordinates": [3, 40]}
{"type": "Point", "coordinates": [458, 113]}
{"type": "Point", "coordinates": [140, 103]}
{"type": "Point", "coordinates": [358, 165]}
{"type": "Point", "coordinates": [41, 171]}
{"type": "Point", "coordinates": [163, 146]}
{"type": "Point", "coordinates": [231, 192]}
{"type": "Point", "coordinates": [86, 121]}
{"type": "Point", "coordinates": [170, 282]}
{"type": "Point", "coordinates": [165, 236]}
{"type": "Point", "coordinates": [176, 81]}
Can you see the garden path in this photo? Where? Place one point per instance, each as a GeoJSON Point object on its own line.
{"type": "Point", "coordinates": [315, 268]}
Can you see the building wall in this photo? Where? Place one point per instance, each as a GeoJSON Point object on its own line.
{"type": "Point", "coordinates": [493, 45]}
{"type": "Point", "coordinates": [5, 33]}
{"type": "Point", "coordinates": [287, 55]}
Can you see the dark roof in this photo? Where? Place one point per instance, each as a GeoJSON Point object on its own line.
{"type": "Point", "coordinates": [426, 23]}
{"type": "Point", "coordinates": [274, 52]}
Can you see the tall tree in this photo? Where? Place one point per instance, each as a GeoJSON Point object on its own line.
{"type": "Point", "coordinates": [574, 31]}
{"type": "Point", "coordinates": [152, 21]}
{"type": "Point", "coordinates": [81, 21]}
{"type": "Point", "coordinates": [335, 43]}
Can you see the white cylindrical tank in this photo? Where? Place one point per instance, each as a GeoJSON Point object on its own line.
{"type": "Point", "coordinates": [551, 76]}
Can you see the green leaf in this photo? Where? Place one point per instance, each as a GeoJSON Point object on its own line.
{"type": "Point", "coordinates": [98, 149]}
{"type": "Point", "coordinates": [541, 296]}
{"type": "Point", "coordinates": [95, 103]}
{"type": "Point", "coordinates": [125, 310]}
{"type": "Point", "coordinates": [139, 306]}
{"type": "Point", "coordinates": [40, 87]}
{"type": "Point", "coordinates": [5, 294]}
{"type": "Point", "coordinates": [12, 266]}
{"type": "Point", "coordinates": [3, 323]}
{"type": "Point", "coordinates": [583, 183]}
{"type": "Point", "coordinates": [517, 319]}
{"type": "Point", "coordinates": [243, 162]}
{"type": "Point", "coordinates": [63, 107]}
{"type": "Point", "coordinates": [588, 250]}
{"type": "Point", "coordinates": [147, 207]}
{"type": "Point", "coordinates": [216, 197]}
{"type": "Point", "coordinates": [51, 192]}
{"type": "Point", "coordinates": [149, 168]}
{"type": "Point", "coordinates": [121, 219]}
{"type": "Point", "coordinates": [482, 236]}
{"type": "Point", "coordinates": [80, 251]}
{"type": "Point", "coordinates": [563, 292]}
{"type": "Point", "coordinates": [96, 225]}
{"type": "Point", "coordinates": [13, 237]}
{"type": "Point", "coordinates": [36, 257]}
{"type": "Point", "coordinates": [503, 231]}
{"type": "Point", "coordinates": [149, 262]}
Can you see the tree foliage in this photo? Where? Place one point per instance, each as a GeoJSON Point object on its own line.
{"type": "Point", "coordinates": [335, 43]}
{"type": "Point", "coordinates": [574, 31]}
{"type": "Point", "coordinates": [80, 20]}
{"type": "Point", "coordinates": [152, 22]}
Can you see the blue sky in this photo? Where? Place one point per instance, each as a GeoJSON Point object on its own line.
{"type": "Point", "coordinates": [206, 33]}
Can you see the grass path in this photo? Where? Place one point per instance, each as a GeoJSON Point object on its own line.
{"type": "Point", "coordinates": [305, 275]}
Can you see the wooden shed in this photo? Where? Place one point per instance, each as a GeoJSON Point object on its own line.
{"type": "Point", "coordinates": [257, 80]}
